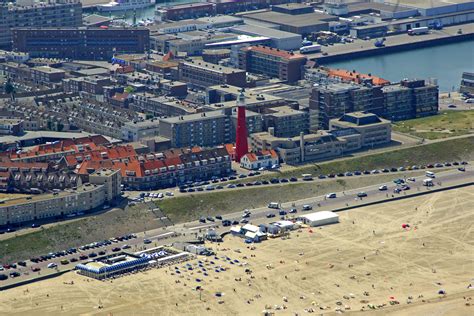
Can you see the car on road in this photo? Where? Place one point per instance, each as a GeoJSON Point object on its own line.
{"type": "Point", "coordinates": [331, 195]}
{"type": "Point", "coordinates": [115, 249]}
{"type": "Point", "coordinates": [226, 222]}
{"type": "Point", "coordinates": [146, 241]}
{"type": "Point", "coordinates": [35, 269]}
{"type": "Point", "coordinates": [462, 169]}
{"type": "Point", "coordinates": [64, 261]}
{"type": "Point", "coordinates": [331, 175]}
{"type": "Point", "coordinates": [321, 176]}
{"type": "Point", "coordinates": [210, 218]}
{"type": "Point", "coordinates": [83, 257]}
{"type": "Point", "coordinates": [52, 265]}
{"type": "Point", "coordinates": [282, 212]}
{"type": "Point", "coordinates": [74, 260]}
{"type": "Point", "coordinates": [219, 187]}
{"type": "Point", "coordinates": [397, 190]}
{"type": "Point", "coordinates": [293, 179]}
{"type": "Point", "coordinates": [202, 220]}
{"type": "Point", "coordinates": [412, 179]}
{"type": "Point", "coordinates": [383, 188]}
{"type": "Point", "coordinates": [361, 194]}
{"type": "Point", "coordinates": [22, 263]}
{"type": "Point", "coordinates": [92, 255]}
{"type": "Point", "coordinates": [219, 217]}
{"type": "Point", "coordinates": [293, 211]}
{"type": "Point", "coordinates": [126, 247]}
{"type": "Point", "coordinates": [235, 222]}
{"type": "Point", "coordinates": [307, 207]}
{"type": "Point", "coordinates": [398, 181]}
{"type": "Point", "coordinates": [270, 215]}
{"type": "Point", "coordinates": [244, 221]}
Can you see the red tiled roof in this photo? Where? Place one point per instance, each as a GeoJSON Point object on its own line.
{"type": "Point", "coordinates": [253, 155]}
{"type": "Point", "coordinates": [356, 77]}
{"type": "Point", "coordinates": [275, 52]}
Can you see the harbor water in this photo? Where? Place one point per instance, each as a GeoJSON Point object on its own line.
{"type": "Point", "coordinates": [446, 63]}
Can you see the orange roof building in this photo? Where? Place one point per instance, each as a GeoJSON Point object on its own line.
{"type": "Point", "coordinates": [356, 77]}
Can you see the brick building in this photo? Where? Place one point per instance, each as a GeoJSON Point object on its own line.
{"type": "Point", "coordinates": [273, 62]}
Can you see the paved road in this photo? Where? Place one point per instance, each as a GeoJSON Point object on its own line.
{"type": "Point", "coordinates": [187, 231]}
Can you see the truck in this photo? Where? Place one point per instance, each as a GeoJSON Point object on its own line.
{"type": "Point", "coordinates": [419, 30]}
{"type": "Point", "coordinates": [274, 205]}
{"type": "Point", "coordinates": [428, 182]}
{"type": "Point", "coordinates": [310, 49]}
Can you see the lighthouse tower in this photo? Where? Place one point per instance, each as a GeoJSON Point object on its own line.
{"type": "Point", "coordinates": [241, 145]}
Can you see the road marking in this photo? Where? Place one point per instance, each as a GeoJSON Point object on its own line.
{"type": "Point", "coordinates": [203, 226]}
{"type": "Point", "coordinates": [162, 235]}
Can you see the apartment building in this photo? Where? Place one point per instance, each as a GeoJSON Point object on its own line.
{"type": "Point", "coordinates": [205, 129]}
{"type": "Point", "coordinates": [87, 43]}
{"type": "Point", "coordinates": [22, 177]}
{"type": "Point", "coordinates": [11, 126]}
{"type": "Point", "coordinates": [166, 169]}
{"type": "Point", "coordinates": [38, 14]}
{"type": "Point", "coordinates": [47, 75]}
{"type": "Point", "coordinates": [104, 188]}
{"type": "Point", "coordinates": [286, 121]}
{"type": "Point", "coordinates": [202, 74]}
{"type": "Point", "coordinates": [273, 62]}
{"type": "Point", "coordinates": [405, 100]}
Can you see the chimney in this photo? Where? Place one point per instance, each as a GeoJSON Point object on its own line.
{"type": "Point", "coordinates": [302, 146]}
{"type": "Point", "coordinates": [271, 131]}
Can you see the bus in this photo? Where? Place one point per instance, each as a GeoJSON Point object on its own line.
{"type": "Point", "coordinates": [310, 49]}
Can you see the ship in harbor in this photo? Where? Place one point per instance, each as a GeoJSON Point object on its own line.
{"type": "Point", "coordinates": [123, 5]}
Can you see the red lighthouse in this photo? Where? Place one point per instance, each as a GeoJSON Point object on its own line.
{"type": "Point", "coordinates": [241, 145]}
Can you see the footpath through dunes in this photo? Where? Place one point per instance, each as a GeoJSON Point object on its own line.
{"type": "Point", "coordinates": [366, 261]}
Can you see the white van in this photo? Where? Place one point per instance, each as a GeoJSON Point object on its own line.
{"type": "Point", "coordinates": [273, 205]}
{"type": "Point", "coordinates": [428, 182]}
{"type": "Point", "coordinates": [430, 174]}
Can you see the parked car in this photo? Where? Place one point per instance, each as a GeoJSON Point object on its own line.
{"type": "Point", "coordinates": [331, 195]}
{"type": "Point", "coordinates": [146, 241]}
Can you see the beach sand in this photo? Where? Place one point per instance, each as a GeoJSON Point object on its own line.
{"type": "Point", "coordinates": [368, 258]}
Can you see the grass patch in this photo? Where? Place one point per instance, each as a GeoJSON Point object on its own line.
{"type": "Point", "coordinates": [456, 149]}
{"type": "Point", "coordinates": [64, 235]}
{"type": "Point", "coordinates": [190, 207]}
{"type": "Point", "coordinates": [444, 125]}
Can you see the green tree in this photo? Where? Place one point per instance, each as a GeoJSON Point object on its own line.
{"type": "Point", "coordinates": [10, 89]}
{"type": "Point", "coordinates": [129, 89]}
